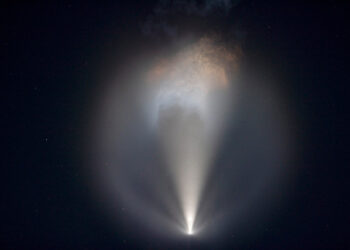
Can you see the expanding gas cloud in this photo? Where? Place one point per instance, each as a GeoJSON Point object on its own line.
{"type": "Point", "coordinates": [191, 142]}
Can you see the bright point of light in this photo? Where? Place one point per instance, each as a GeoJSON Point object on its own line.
{"type": "Point", "coordinates": [190, 225]}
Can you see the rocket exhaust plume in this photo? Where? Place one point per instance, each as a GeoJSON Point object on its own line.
{"type": "Point", "coordinates": [189, 97]}
{"type": "Point", "coordinates": [161, 155]}
{"type": "Point", "coordinates": [188, 138]}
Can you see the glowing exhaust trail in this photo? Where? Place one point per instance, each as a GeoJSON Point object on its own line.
{"type": "Point", "coordinates": [160, 126]}
{"type": "Point", "coordinates": [184, 111]}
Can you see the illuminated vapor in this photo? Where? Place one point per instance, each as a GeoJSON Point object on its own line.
{"type": "Point", "coordinates": [190, 142]}
{"type": "Point", "coordinates": [188, 115]}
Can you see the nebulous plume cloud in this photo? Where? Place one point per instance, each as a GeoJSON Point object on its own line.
{"type": "Point", "coordinates": [192, 142]}
{"type": "Point", "coordinates": [190, 139]}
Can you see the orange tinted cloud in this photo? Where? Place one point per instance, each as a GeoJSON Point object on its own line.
{"type": "Point", "coordinates": [204, 61]}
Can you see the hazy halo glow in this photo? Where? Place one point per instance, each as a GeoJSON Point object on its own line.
{"type": "Point", "coordinates": [188, 141]}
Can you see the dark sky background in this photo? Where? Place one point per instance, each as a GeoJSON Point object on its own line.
{"type": "Point", "coordinates": [50, 56]}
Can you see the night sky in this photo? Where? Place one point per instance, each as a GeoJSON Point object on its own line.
{"type": "Point", "coordinates": [54, 58]}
